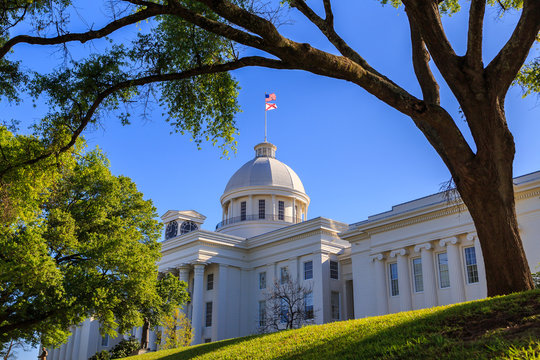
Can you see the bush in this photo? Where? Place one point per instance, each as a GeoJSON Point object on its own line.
{"type": "Point", "coordinates": [125, 348]}
{"type": "Point", "coordinates": [102, 355]}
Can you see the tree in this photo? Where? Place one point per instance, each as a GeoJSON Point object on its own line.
{"type": "Point", "coordinates": [289, 305]}
{"type": "Point", "coordinates": [77, 242]}
{"type": "Point", "coordinates": [176, 331]}
{"type": "Point", "coordinates": [194, 45]}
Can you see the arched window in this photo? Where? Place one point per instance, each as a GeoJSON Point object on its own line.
{"type": "Point", "coordinates": [171, 230]}
{"type": "Point", "coordinates": [187, 226]}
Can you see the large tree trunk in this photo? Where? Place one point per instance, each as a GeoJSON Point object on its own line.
{"type": "Point", "coordinates": [486, 187]}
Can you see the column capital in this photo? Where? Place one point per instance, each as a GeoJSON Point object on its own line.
{"type": "Point", "coordinates": [453, 240]}
{"type": "Point", "coordinates": [424, 246]}
{"type": "Point", "coordinates": [401, 252]}
{"type": "Point", "coordinates": [198, 268]}
{"type": "Point", "coordinates": [183, 267]}
{"type": "Point", "coordinates": [472, 236]}
{"type": "Point", "coordinates": [378, 257]}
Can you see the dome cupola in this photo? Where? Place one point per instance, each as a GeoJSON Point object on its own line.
{"type": "Point", "coordinates": [263, 195]}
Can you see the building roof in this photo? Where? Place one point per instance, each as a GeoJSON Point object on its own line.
{"type": "Point", "coordinates": [265, 170]}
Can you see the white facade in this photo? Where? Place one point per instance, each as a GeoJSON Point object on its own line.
{"type": "Point", "coordinates": [420, 254]}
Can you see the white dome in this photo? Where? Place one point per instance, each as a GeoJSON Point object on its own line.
{"type": "Point", "coordinates": [265, 171]}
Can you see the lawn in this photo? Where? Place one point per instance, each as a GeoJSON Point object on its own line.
{"type": "Point", "coordinates": [506, 327]}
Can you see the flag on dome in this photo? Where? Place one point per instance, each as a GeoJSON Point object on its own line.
{"type": "Point", "coordinates": [269, 97]}
{"type": "Point", "coordinates": [270, 106]}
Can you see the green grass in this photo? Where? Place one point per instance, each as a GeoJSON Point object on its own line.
{"type": "Point", "coordinates": [506, 327]}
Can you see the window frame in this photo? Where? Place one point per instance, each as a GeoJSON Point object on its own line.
{"type": "Point", "coordinates": [308, 271]}
{"type": "Point", "coordinates": [262, 209]}
{"type": "Point", "coordinates": [415, 275]}
{"type": "Point", "coordinates": [334, 271]}
{"type": "Point", "coordinates": [208, 314]}
{"type": "Point", "coordinates": [308, 306]}
{"type": "Point", "coordinates": [332, 293]}
{"type": "Point", "coordinates": [468, 266]}
{"type": "Point", "coordinates": [262, 280]}
{"type": "Point", "coordinates": [262, 312]}
{"type": "Point", "coordinates": [281, 210]}
{"type": "Point", "coordinates": [394, 291]}
{"type": "Point", "coordinates": [284, 270]}
{"type": "Point", "coordinates": [210, 282]}
{"type": "Point", "coordinates": [447, 271]}
{"type": "Point", "coordinates": [243, 211]}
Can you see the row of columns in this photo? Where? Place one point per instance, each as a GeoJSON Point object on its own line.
{"type": "Point", "coordinates": [77, 345]}
{"type": "Point", "coordinates": [429, 272]}
{"type": "Point", "coordinates": [229, 211]}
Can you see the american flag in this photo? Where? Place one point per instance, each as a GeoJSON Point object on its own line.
{"type": "Point", "coordinates": [269, 97]}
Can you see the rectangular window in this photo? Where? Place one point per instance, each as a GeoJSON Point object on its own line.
{"type": "Point", "coordinates": [262, 313]}
{"type": "Point", "coordinates": [210, 282]}
{"type": "Point", "coordinates": [308, 305]}
{"type": "Point", "coordinates": [444, 275]}
{"type": "Point", "coordinates": [208, 316]}
{"type": "Point", "coordinates": [281, 210]}
{"type": "Point", "coordinates": [284, 275]}
{"type": "Point", "coordinates": [417, 275]}
{"type": "Point", "coordinates": [308, 270]}
{"type": "Point", "coordinates": [243, 211]}
{"type": "Point", "coordinates": [105, 340]}
{"type": "Point", "coordinates": [262, 209]}
{"type": "Point", "coordinates": [334, 304]}
{"type": "Point", "coordinates": [394, 285]}
{"type": "Point", "coordinates": [262, 280]}
{"type": "Point", "coordinates": [334, 273]}
{"type": "Point", "coordinates": [471, 266]}
{"type": "Point", "coordinates": [284, 311]}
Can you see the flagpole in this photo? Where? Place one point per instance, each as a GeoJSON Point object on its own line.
{"type": "Point", "coordinates": [265, 120]}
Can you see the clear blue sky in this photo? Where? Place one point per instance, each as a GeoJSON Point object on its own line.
{"type": "Point", "coordinates": [355, 155]}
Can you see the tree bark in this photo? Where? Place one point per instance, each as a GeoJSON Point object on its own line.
{"type": "Point", "coordinates": [486, 187]}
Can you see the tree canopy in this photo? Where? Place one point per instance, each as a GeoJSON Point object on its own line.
{"type": "Point", "coordinates": [186, 57]}
{"type": "Point", "coordinates": [75, 242]}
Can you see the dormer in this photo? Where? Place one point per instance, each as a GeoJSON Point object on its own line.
{"type": "Point", "coordinates": [181, 222]}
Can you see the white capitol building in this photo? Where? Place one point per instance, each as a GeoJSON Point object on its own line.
{"type": "Point", "coordinates": [420, 254]}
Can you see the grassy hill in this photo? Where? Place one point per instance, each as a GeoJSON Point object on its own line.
{"type": "Point", "coordinates": [505, 327]}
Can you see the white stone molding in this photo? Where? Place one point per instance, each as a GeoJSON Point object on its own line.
{"type": "Point", "coordinates": [453, 240]}
{"type": "Point", "coordinates": [401, 252]}
{"type": "Point", "coordinates": [472, 236]}
{"type": "Point", "coordinates": [379, 257]}
{"type": "Point", "coordinates": [183, 272]}
{"type": "Point", "coordinates": [76, 343]}
{"type": "Point", "coordinates": [426, 246]}
{"type": "Point", "coordinates": [197, 302]}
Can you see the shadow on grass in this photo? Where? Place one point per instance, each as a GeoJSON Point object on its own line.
{"type": "Point", "coordinates": [476, 330]}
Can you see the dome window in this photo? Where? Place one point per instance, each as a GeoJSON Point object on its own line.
{"type": "Point", "coordinates": [171, 230]}
{"type": "Point", "coordinates": [187, 226]}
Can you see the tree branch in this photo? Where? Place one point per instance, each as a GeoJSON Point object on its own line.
{"type": "Point", "coordinates": [206, 69]}
{"type": "Point", "coordinates": [475, 35]}
{"type": "Point", "coordinates": [502, 70]}
{"type": "Point", "coordinates": [420, 58]}
{"type": "Point", "coordinates": [151, 11]}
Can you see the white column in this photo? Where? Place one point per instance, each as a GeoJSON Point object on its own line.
{"type": "Point", "coordinates": [318, 288]}
{"type": "Point", "coordinates": [305, 213]}
{"type": "Point", "coordinates": [428, 274]}
{"type": "Point", "coordinates": [293, 269]}
{"type": "Point", "coordinates": [274, 211]}
{"type": "Point", "coordinates": [404, 280]}
{"type": "Point", "coordinates": [63, 350]}
{"type": "Point", "coordinates": [70, 343]}
{"type": "Point", "coordinates": [197, 302]}
{"type": "Point", "coordinates": [220, 320]}
{"type": "Point", "coordinates": [294, 210]}
{"type": "Point", "coordinates": [229, 211]}
{"type": "Point", "coordinates": [380, 284]}
{"type": "Point", "coordinates": [232, 208]}
{"type": "Point", "coordinates": [76, 343]}
{"type": "Point", "coordinates": [454, 268]}
{"type": "Point", "coordinates": [84, 339]}
{"type": "Point", "coordinates": [249, 206]}
{"type": "Point", "coordinates": [183, 273]}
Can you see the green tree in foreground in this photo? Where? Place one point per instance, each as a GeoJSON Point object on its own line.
{"type": "Point", "coordinates": [176, 331]}
{"type": "Point", "coordinates": [186, 57]}
{"type": "Point", "coordinates": [75, 242]}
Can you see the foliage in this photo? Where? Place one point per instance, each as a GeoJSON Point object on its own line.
{"type": "Point", "coordinates": [102, 355]}
{"type": "Point", "coordinates": [529, 77]}
{"type": "Point", "coordinates": [75, 241]}
{"type": "Point", "coordinates": [286, 306]}
{"type": "Point", "coordinates": [177, 331]}
{"type": "Point", "coordinates": [124, 348]}
{"type": "Point", "coordinates": [504, 327]}
{"type": "Point", "coordinates": [536, 279]}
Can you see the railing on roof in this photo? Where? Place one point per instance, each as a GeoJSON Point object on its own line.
{"type": "Point", "coordinates": [259, 217]}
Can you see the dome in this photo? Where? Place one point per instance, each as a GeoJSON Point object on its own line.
{"type": "Point", "coordinates": [265, 170]}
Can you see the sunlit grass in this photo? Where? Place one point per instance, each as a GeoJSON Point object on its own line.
{"type": "Point", "coordinates": [503, 327]}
